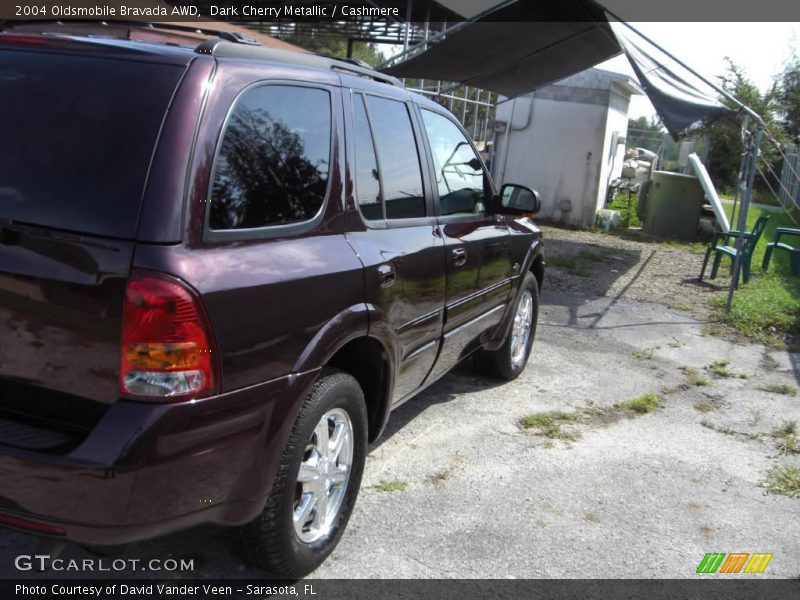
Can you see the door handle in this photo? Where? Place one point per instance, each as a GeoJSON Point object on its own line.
{"type": "Point", "coordinates": [386, 275]}
{"type": "Point", "coordinates": [459, 257]}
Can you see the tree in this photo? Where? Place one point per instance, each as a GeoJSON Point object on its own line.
{"type": "Point", "coordinates": [726, 148]}
{"type": "Point", "coordinates": [329, 44]}
{"type": "Point", "coordinates": [644, 133]}
{"type": "Point", "coordinates": [789, 97]}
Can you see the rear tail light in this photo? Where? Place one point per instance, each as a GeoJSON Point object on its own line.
{"type": "Point", "coordinates": [31, 525]}
{"type": "Point", "coordinates": [167, 350]}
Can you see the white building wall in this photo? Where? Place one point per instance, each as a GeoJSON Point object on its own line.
{"type": "Point", "coordinates": [561, 145]}
{"type": "Point", "coordinates": [559, 154]}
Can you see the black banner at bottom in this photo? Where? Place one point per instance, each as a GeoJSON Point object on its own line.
{"type": "Point", "coordinates": [390, 589]}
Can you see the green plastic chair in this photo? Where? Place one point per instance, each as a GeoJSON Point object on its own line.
{"type": "Point", "coordinates": [721, 246]}
{"type": "Point", "coordinates": [775, 244]}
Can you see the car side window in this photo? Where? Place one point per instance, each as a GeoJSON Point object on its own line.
{"type": "Point", "coordinates": [368, 186]}
{"type": "Point", "coordinates": [273, 162]}
{"type": "Point", "coordinates": [460, 179]}
{"type": "Point", "coordinates": [398, 159]}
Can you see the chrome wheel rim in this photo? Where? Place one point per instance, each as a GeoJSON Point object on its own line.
{"type": "Point", "coordinates": [323, 476]}
{"type": "Point", "coordinates": [521, 330]}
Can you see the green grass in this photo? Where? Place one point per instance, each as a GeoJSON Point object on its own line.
{"type": "Point", "coordinates": [693, 377]}
{"type": "Point", "coordinates": [777, 218]}
{"type": "Point", "coordinates": [549, 424]}
{"type": "Point", "coordinates": [391, 485]}
{"type": "Point", "coordinates": [779, 388]}
{"type": "Point", "coordinates": [626, 205]}
{"type": "Point", "coordinates": [566, 263]}
{"type": "Point", "coordinates": [642, 404]}
{"type": "Point", "coordinates": [785, 481]}
{"type": "Point", "coordinates": [767, 308]}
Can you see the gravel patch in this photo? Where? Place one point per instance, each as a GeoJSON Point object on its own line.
{"type": "Point", "coordinates": [615, 266]}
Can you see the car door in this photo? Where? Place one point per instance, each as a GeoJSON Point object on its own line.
{"type": "Point", "coordinates": [397, 237]}
{"type": "Point", "coordinates": [478, 261]}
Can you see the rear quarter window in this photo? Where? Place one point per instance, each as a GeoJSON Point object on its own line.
{"type": "Point", "coordinates": [78, 135]}
{"type": "Point", "coordinates": [273, 160]}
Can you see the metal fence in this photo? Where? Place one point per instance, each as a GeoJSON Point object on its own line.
{"type": "Point", "coordinates": [790, 183]}
{"type": "Point", "coordinates": [475, 108]}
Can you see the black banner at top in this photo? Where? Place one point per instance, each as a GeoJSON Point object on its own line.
{"type": "Point", "coordinates": [395, 11]}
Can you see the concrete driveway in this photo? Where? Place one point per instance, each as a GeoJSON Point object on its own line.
{"type": "Point", "coordinates": [457, 489]}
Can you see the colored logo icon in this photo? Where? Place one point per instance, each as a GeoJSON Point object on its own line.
{"type": "Point", "coordinates": [734, 562]}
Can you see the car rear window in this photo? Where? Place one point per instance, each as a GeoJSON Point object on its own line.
{"type": "Point", "coordinates": [78, 134]}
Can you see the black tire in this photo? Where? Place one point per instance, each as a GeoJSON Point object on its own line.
{"type": "Point", "coordinates": [498, 363]}
{"type": "Point", "coordinates": [271, 542]}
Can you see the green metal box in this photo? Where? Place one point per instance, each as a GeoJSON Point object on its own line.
{"type": "Point", "coordinates": [670, 205]}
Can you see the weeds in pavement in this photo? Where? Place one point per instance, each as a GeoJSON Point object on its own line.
{"type": "Point", "coordinates": [439, 477]}
{"type": "Point", "coordinates": [646, 354]}
{"type": "Point", "coordinates": [693, 377]}
{"type": "Point", "coordinates": [590, 255]}
{"type": "Point", "coordinates": [784, 480]}
{"type": "Point", "coordinates": [706, 406]}
{"type": "Point", "coordinates": [642, 404]}
{"type": "Point", "coordinates": [779, 388]}
{"type": "Point", "coordinates": [787, 438]}
{"type": "Point", "coordinates": [391, 485]}
{"type": "Point", "coordinates": [720, 368]}
{"type": "Point", "coordinates": [568, 264]}
{"type": "Point", "coordinates": [549, 424]}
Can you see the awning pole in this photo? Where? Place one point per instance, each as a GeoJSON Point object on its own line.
{"type": "Point", "coordinates": [747, 192]}
{"type": "Point", "coordinates": [407, 32]}
{"type": "Point", "coordinates": [407, 36]}
{"type": "Point", "coordinates": [502, 178]}
{"type": "Point", "coordinates": [749, 160]}
{"type": "Point", "coordinates": [745, 133]}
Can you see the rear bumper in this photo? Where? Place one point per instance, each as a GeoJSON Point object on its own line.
{"type": "Point", "coordinates": [151, 469]}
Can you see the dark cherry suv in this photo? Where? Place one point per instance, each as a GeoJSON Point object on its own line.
{"type": "Point", "coordinates": [221, 268]}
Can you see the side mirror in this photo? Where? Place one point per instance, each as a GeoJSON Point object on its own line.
{"type": "Point", "coordinates": [518, 200]}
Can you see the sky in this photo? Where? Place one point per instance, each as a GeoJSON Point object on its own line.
{"type": "Point", "coordinates": [761, 49]}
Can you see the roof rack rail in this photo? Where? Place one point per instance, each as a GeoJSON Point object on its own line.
{"type": "Point", "coordinates": [223, 49]}
{"type": "Point", "coordinates": [349, 60]}
{"type": "Point", "coordinates": [229, 36]}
